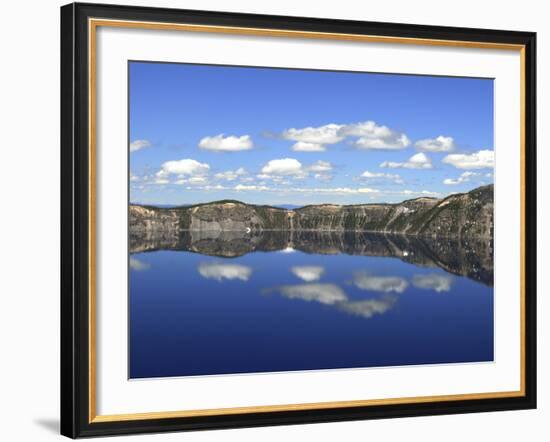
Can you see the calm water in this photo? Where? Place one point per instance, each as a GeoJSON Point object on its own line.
{"type": "Point", "coordinates": [234, 304]}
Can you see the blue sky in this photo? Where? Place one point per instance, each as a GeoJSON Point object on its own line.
{"type": "Point", "coordinates": [281, 136]}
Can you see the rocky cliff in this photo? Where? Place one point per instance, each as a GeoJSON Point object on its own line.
{"type": "Point", "coordinates": [466, 215]}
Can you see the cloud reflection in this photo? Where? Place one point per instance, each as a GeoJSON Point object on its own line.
{"type": "Point", "coordinates": [137, 265]}
{"type": "Point", "coordinates": [383, 284]}
{"type": "Point", "coordinates": [323, 293]}
{"type": "Point", "coordinates": [334, 296]}
{"type": "Point", "coordinates": [308, 273]}
{"type": "Point", "coordinates": [219, 271]}
{"type": "Point", "coordinates": [433, 281]}
{"type": "Point", "coordinates": [369, 307]}
{"type": "Point", "coordinates": [287, 250]}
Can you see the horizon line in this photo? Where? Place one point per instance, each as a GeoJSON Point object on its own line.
{"type": "Point", "coordinates": [173, 206]}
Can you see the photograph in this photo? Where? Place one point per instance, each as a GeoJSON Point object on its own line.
{"type": "Point", "coordinates": [275, 221]}
{"type": "Point", "coordinates": [279, 218]}
{"type": "Point", "coordinates": [284, 219]}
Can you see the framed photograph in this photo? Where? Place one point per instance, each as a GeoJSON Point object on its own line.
{"type": "Point", "coordinates": [275, 220]}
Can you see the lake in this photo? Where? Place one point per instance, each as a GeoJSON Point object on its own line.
{"type": "Point", "coordinates": [229, 302]}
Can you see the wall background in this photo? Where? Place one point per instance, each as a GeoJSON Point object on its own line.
{"type": "Point", "coordinates": [29, 183]}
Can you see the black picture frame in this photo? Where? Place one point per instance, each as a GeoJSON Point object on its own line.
{"type": "Point", "coordinates": [75, 220]}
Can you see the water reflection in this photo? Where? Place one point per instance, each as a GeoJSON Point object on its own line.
{"type": "Point", "coordinates": [439, 283]}
{"type": "Point", "coordinates": [217, 303]}
{"type": "Point", "coordinates": [471, 258]}
{"type": "Point", "coordinates": [219, 271]}
{"type": "Point", "coordinates": [308, 273]}
{"type": "Point", "coordinates": [369, 307]}
{"type": "Point", "coordinates": [333, 295]}
{"type": "Point", "coordinates": [383, 284]}
{"type": "Point", "coordinates": [323, 293]}
{"type": "Point", "coordinates": [137, 265]}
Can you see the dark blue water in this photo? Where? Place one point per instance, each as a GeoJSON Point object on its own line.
{"type": "Point", "coordinates": [193, 314]}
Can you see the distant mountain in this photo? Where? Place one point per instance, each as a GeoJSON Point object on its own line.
{"type": "Point", "coordinates": [173, 206]}
{"type": "Point", "coordinates": [161, 206]}
{"type": "Point", "coordinates": [287, 206]}
{"type": "Point", "coordinates": [460, 215]}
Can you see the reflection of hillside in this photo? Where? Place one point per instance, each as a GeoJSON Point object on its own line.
{"type": "Point", "coordinates": [472, 258]}
{"type": "Point", "coordinates": [151, 241]}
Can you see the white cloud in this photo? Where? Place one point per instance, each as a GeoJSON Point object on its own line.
{"type": "Point", "coordinates": [417, 161]}
{"type": "Point", "coordinates": [321, 170]}
{"type": "Point", "coordinates": [313, 139]}
{"type": "Point", "coordinates": [321, 166]}
{"type": "Point", "coordinates": [304, 146]}
{"type": "Point", "coordinates": [250, 187]}
{"type": "Point", "coordinates": [335, 190]}
{"type": "Point", "coordinates": [186, 167]}
{"type": "Point", "coordinates": [416, 192]}
{"type": "Point", "coordinates": [322, 176]}
{"type": "Point", "coordinates": [231, 175]}
{"type": "Point", "coordinates": [209, 187]}
{"type": "Point", "coordinates": [323, 293]}
{"type": "Point", "coordinates": [373, 136]}
{"type": "Point", "coordinates": [433, 281]}
{"type": "Point", "coordinates": [381, 176]}
{"type": "Point", "coordinates": [409, 192]}
{"type": "Point", "coordinates": [384, 284]}
{"type": "Point", "coordinates": [194, 180]}
{"type": "Point", "coordinates": [308, 273]}
{"type": "Point", "coordinates": [367, 134]}
{"type": "Point", "coordinates": [138, 265]}
{"type": "Point", "coordinates": [463, 178]}
{"type": "Point", "coordinates": [330, 190]}
{"type": "Point", "coordinates": [139, 144]}
{"type": "Point", "coordinates": [219, 143]}
{"type": "Point", "coordinates": [338, 190]}
{"type": "Point", "coordinates": [439, 144]}
{"type": "Point", "coordinates": [188, 171]}
{"type": "Point", "coordinates": [483, 159]}
{"type": "Point", "coordinates": [224, 271]}
{"type": "Point", "coordinates": [133, 178]}
{"type": "Point", "coordinates": [286, 167]}
{"type": "Point", "coordinates": [313, 190]}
